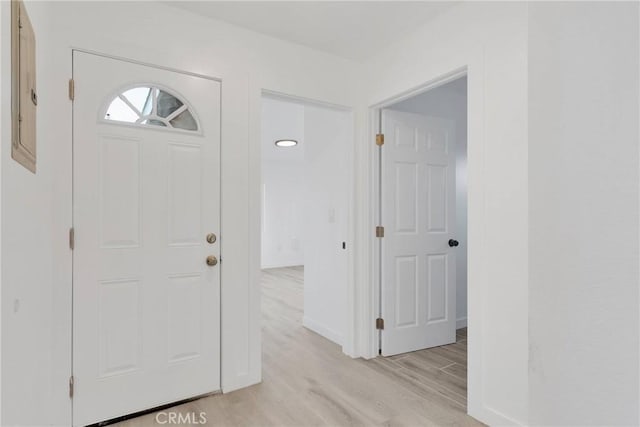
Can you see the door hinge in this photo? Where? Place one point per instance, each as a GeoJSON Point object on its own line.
{"type": "Point", "coordinates": [380, 323]}
{"type": "Point", "coordinates": [71, 383]}
{"type": "Point", "coordinates": [379, 231]}
{"type": "Point", "coordinates": [380, 139]}
{"type": "Point", "coordinates": [72, 238]}
{"type": "Point", "coordinates": [72, 89]}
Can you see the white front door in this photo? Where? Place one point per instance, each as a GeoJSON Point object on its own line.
{"type": "Point", "coordinates": [146, 193]}
{"type": "Point", "coordinates": [418, 213]}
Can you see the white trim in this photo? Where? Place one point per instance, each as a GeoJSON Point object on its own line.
{"type": "Point", "coordinates": [5, 135]}
{"type": "Point", "coordinates": [366, 306]}
{"type": "Point", "coordinates": [254, 218]}
{"type": "Point", "coordinates": [461, 323]}
{"type": "Point", "coordinates": [146, 64]}
{"type": "Point", "coordinates": [494, 418]}
{"type": "Point", "coordinates": [425, 87]}
{"type": "Point", "coordinates": [302, 100]}
{"type": "Point", "coordinates": [319, 329]}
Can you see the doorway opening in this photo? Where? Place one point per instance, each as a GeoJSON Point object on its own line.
{"type": "Point", "coordinates": [304, 220]}
{"type": "Point", "coordinates": [422, 179]}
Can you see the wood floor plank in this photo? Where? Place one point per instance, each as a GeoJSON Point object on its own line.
{"type": "Point", "coordinates": [433, 405]}
{"type": "Point", "coordinates": [431, 358]}
{"type": "Point", "coordinates": [308, 381]}
{"type": "Point", "coordinates": [455, 355]}
{"type": "Point", "coordinates": [461, 333]}
{"type": "Point", "coordinates": [457, 370]}
{"type": "Point", "coordinates": [445, 384]}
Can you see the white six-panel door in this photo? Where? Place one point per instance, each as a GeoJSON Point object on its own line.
{"type": "Point", "coordinates": [146, 306]}
{"type": "Point", "coordinates": [418, 213]}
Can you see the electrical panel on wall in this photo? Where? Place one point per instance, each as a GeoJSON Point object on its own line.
{"type": "Point", "coordinates": [24, 99]}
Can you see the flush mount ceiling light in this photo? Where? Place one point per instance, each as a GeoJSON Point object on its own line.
{"type": "Point", "coordinates": [286, 143]}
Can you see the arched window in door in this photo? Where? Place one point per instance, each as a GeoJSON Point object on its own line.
{"type": "Point", "coordinates": [149, 105]}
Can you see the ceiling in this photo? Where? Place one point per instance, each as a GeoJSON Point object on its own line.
{"type": "Point", "coordinates": [282, 119]}
{"type": "Point", "coordinates": [350, 29]}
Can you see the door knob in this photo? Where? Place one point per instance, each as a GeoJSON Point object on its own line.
{"type": "Point", "coordinates": [212, 260]}
{"type": "Point", "coordinates": [453, 243]}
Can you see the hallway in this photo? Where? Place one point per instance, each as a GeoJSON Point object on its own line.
{"type": "Point", "coordinates": [307, 380]}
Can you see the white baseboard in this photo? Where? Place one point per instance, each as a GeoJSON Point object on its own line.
{"type": "Point", "coordinates": [319, 329]}
{"type": "Point", "coordinates": [461, 323]}
{"type": "Point", "coordinates": [491, 417]}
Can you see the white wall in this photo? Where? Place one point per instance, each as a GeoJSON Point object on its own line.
{"type": "Point", "coordinates": [36, 209]}
{"type": "Point", "coordinates": [328, 137]}
{"type": "Point", "coordinates": [490, 39]}
{"type": "Point", "coordinates": [33, 389]}
{"type": "Point", "coordinates": [583, 210]}
{"type": "Point", "coordinates": [283, 184]}
{"type": "Point", "coordinates": [449, 101]}
{"type": "Point", "coordinates": [4, 120]}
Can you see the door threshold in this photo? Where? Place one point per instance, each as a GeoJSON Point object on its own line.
{"type": "Point", "coordinates": [152, 410]}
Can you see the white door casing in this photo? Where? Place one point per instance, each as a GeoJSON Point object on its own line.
{"type": "Point", "coordinates": [146, 306]}
{"type": "Point", "coordinates": [418, 213]}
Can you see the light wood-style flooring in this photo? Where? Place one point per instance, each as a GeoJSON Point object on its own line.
{"type": "Point", "coordinates": [308, 381]}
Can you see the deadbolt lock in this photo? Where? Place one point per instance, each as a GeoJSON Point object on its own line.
{"type": "Point", "coordinates": [211, 238]}
{"type": "Point", "coordinates": [212, 260]}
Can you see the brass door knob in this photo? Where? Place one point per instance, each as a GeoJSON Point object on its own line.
{"type": "Point", "coordinates": [212, 260]}
{"type": "Point", "coordinates": [211, 238]}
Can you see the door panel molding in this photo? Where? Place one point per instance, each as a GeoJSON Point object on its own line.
{"type": "Point", "coordinates": [418, 198]}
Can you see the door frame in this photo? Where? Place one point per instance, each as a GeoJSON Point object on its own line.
{"type": "Point", "coordinates": [376, 113]}
{"type": "Point", "coordinates": [73, 50]}
{"type": "Point", "coordinates": [348, 342]}
{"type": "Point", "coordinates": [368, 308]}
